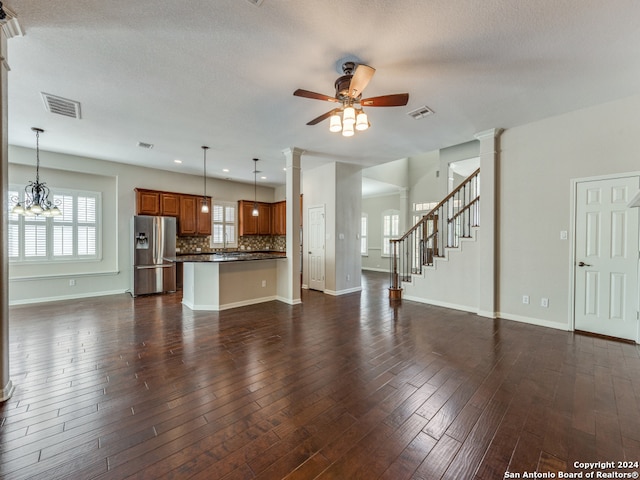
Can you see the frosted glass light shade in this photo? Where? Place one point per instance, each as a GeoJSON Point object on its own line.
{"type": "Point", "coordinates": [335, 124]}
{"type": "Point", "coordinates": [362, 122]}
{"type": "Point", "coordinates": [349, 116]}
{"type": "Point", "coordinates": [347, 130]}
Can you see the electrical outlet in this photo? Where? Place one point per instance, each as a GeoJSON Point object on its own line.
{"type": "Point", "coordinates": [264, 283]}
{"type": "Point", "coordinates": [348, 277]}
{"type": "Point", "coordinates": [72, 282]}
{"type": "Point", "coordinates": [525, 299]}
{"type": "Point", "coordinates": [544, 302]}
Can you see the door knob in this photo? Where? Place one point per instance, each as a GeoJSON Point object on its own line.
{"type": "Point", "coordinates": [582, 264]}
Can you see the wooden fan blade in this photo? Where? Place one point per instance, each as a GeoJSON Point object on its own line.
{"type": "Point", "coordinates": [313, 95]}
{"type": "Point", "coordinates": [360, 80]}
{"type": "Point", "coordinates": [395, 100]}
{"type": "Point", "coordinates": [322, 117]}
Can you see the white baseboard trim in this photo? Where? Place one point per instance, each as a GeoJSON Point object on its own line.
{"type": "Point", "coordinates": [227, 306]}
{"type": "Point", "coordinates": [343, 292]}
{"type": "Point", "coordinates": [371, 269]}
{"type": "Point", "coordinates": [487, 314]}
{"type": "Point", "coordinates": [437, 303]}
{"type": "Point", "coordinates": [534, 321]}
{"type": "Point", "coordinates": [66, 297]}
{"type": "Point", "coordinates": [7, 391]}
{"type": "Point", "coordinates": [289, 301]}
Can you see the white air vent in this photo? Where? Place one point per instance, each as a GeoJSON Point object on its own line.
{"type": "Point", "coordinates": [61, 106]}
{"type": "Point", "coordinates": [257, 3]}
{"type": "Point", "coordinates": [145, 145]}
{"type": "Point", "coordinates": [420, 112]}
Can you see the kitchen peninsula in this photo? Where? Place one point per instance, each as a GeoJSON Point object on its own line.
{"type": "Point", "coordinates": [220, 281]}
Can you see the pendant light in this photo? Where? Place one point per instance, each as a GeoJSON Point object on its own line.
{"type": "Point", "coordinates": [36, 194]}
{"type": "Point", "coordinates": [205, 202]}
{"type": "Point", "coordinates": [255, 212]}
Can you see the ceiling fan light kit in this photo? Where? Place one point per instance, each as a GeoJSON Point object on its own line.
{"type": "Point", "coordinates": [349, 87]}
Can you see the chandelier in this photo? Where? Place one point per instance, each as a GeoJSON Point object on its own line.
{"type": "Point", "coordinates": [36, 194]}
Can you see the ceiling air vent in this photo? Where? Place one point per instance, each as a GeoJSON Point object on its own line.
{"type": "Point", "coordinates": [257, 3]}
{"type": "Point", "coordinates": [145, 145]}
{"type": "Point", "coordinates": [420, 112]}
{"type": "Point", "coordinates": [61, 106]}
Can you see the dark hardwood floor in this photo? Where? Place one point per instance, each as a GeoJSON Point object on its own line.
{"type": "Point", "coordinates": [336, 388]}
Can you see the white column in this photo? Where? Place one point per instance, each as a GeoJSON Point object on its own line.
{"type": "Point", "coordinates": [6, 386]}
{"type": "Point", "coordinates": [289, 269]}
{"type": "Point", "coordinates": [487, 264]}
{"type": "Point", "coordinates": [405, 211]}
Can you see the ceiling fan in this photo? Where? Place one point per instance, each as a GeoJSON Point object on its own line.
{"type": "Point", "coordinates": [349, 87]}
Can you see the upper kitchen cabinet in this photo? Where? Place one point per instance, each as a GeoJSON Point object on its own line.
{"type": "Point", "coordinates": [170, 204]}
{"type": "Point", "coordinates": [147, 202]}
{"type": "Point", "coordinates": [186, 208]}
{"type": "Point", "coordinates": [192, 221]}
{"type": "Point", "coordinates": [153, 202]}
{"type": "Point", "coordinates": [279, 218]}
{"type": "Point", "coordinates": [250, 225]}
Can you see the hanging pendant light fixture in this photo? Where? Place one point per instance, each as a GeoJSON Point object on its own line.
{"type": "Point", "coordinates": [255, 211]}
{"type": "Point", "coordinates": [36, 194]}
{"type": "Point", "coordinates": [205, 202]}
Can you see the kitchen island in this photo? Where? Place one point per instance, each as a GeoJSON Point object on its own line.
{"type": "Point", "coordinates": [220, 281]}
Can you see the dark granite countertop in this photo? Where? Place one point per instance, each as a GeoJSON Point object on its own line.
{"type": "Point", "coordinates": [226, 256]}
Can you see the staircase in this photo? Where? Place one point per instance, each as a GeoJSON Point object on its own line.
{"type": "Point", "coordinates": [451, 220]}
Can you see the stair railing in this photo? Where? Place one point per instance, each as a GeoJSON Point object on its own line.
{"type": "Point", "coordinates": [451, 219]}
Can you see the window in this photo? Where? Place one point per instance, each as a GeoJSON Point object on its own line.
{"type": "Point", "coordinates": [390, 229]}
{"type": "Point", "coordinates": [74, 235]}
{"type": "Point", "coordinates": [224, 224]}
{"type": "Point", "coordinates": [364, 247]}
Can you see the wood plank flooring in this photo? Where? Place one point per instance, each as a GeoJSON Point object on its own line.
{"type": "Point", "coordinates": [349, 387]}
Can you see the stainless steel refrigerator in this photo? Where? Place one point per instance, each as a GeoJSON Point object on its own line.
{"type": "Point", "coordinates": [153, 238]}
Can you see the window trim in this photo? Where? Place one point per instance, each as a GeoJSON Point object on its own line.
{"type": "Point", "coordinates": [391, 213]}
{"type": "Point", "coordinates": [364, 234]}
{"type": "Point", "coordinates": [224, 204]}
{"type": "Point", "coordinates": [49, 223]}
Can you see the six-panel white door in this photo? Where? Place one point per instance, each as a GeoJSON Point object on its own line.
{"type": "Point", "coordinates": [316, 248]}
{"type": "Point", "coordinates": [606, 282]}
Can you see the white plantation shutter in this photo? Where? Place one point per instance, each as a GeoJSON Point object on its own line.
{"type": "Point", "coordinates": [224, 223]}
{"type": "Point", "coordinates": [390, 229]}
{"type": "Point", "coordinates": [73, 235]}
{"type": "Point", "coordinates": [35, 239]}
{"type": "Point", "coordinates": [364, 247]}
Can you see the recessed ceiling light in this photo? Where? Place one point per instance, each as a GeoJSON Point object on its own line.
{"type": "Point", "coordinates": [225, 170]}
{"type": "Point", "coordinates": [177, 161]}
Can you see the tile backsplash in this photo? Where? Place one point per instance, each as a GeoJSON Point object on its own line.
{"type": "Point", "coordinates": [249, 242]}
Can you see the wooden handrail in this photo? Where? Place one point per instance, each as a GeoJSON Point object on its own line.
{"type": "Point", "coordinates": [434, 209]}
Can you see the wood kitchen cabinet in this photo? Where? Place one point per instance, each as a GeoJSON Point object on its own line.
{"type": "Point", "coordinates": [147, 202]}
{"type": "Point", "coordinates": [169, 204]}
{"type": "Point", "coordinates": [191, 220]}
{"type": "Point", "coordinates": [250, 225]}
{"type": "Point", "coordinates": [279, 218]}
{"type": "Point", "coordinates": [186, 209]}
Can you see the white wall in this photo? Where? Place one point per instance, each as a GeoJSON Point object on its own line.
{"type": "Point", "coordinates": [537, 163]}
{"type": "Point", "coordinates": [116, 181]}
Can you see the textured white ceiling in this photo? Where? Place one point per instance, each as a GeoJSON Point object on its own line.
{"type": "Point", "coordinates": [221, 73]}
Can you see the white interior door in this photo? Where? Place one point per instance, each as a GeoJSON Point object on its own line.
{"type": "Point", "coordinates": [606, 263]}
{"type": "Point", "coordinates": [316, 248]}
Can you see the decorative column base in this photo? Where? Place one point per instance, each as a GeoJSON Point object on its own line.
{"type": "Point", "coordinates": [7, 391]}
{"type": "Point", "coordinates": [395, 293]}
